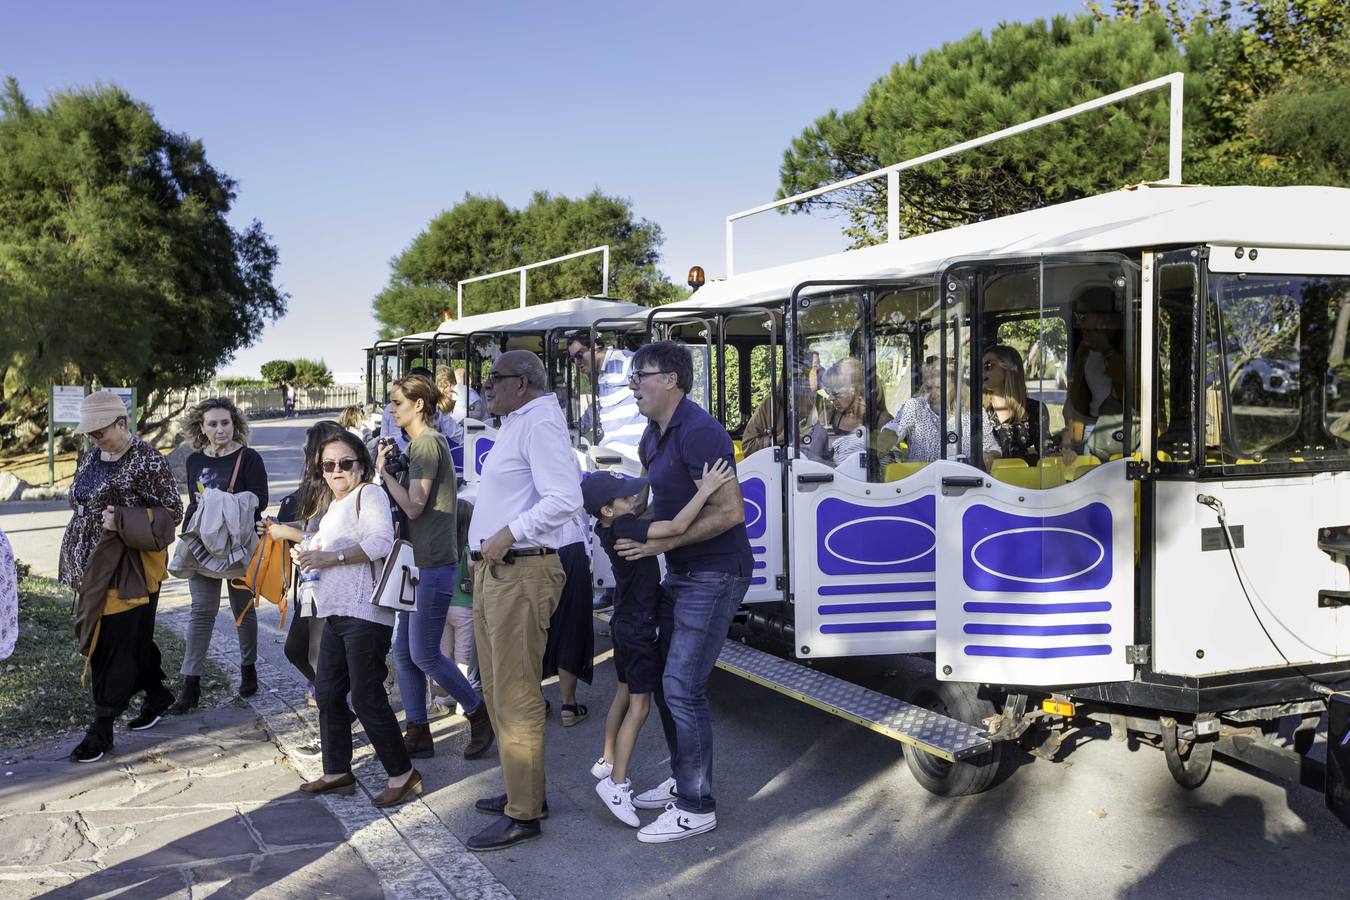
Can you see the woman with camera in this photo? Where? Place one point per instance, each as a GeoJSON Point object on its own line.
{"type": "Point", "coordinates": [424, 490]}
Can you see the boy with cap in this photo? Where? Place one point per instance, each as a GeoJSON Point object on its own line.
{"type": "Point", "coordinates": [613, 499]}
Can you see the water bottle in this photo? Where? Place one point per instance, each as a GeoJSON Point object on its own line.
{"type": "Point", "coordinates": [309, 581]}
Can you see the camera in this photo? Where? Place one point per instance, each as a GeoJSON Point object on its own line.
{"type": "Point", "coordinates": [396, 463]}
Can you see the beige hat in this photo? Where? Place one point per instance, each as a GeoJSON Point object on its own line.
{"type": "Point", "coordinates": [99, 410]}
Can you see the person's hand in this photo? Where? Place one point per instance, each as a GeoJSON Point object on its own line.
{"type": "Point", "coordinates": [110, 518]}
{"type": "Point", "coordinates": [494, 548]}
{"type": "Point", "coordinates": [381, 455]}
{"type": "Point", "coordinates": [262, 526]}
{"type": "Point", "coordinates": [1068, 455]}
{"type": "Point", "coordinates": [310, 559]}
{"type": "Point", "coordinates": [715, 476]}
{"type": "Point", "coordinates": [630, 549]}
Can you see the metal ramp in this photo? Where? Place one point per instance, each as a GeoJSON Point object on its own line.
{"type": "Point", "coordinates": [931, 732]}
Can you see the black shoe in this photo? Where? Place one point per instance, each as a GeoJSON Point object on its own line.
{"type": "Point", "coordinates": [503, 833]}
{"type": "Point", "coordinates": [496, 806]}
{"type": "Point", "coordinates": [248, 681]}
{"type": "Point", "coordinates": [188, 696]}
{"type": "Point", "coordinates": [150, 715]}
{"type": "Point", "coordinates": [97, 741]}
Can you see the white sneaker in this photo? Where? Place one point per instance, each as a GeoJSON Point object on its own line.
{"type": "Point", "coordinates": [619, 799]}
{"type": "Point", "coordinates": [658, 797]}
{"type": "Point", "coordinates": [603, 768]}
{"type": "Point", "coordinates": [675, 825]}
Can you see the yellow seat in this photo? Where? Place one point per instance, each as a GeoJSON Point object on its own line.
{"type": "Point", "coordinates": [1012, 462]}
{"type": "Point", "coordinates": [1019, 476]}
{"type": "Point", "coordinates": [736, 451]}
{"type": "Point", "coordinates": [898, 470]}
{"type": "Point", "coordinates": [1080, 467]}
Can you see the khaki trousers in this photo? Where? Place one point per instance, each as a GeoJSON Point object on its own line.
{"type": "Point", "coordinates": [511, 609]}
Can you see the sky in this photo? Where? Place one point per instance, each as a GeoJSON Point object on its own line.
{"type": "Point", "coordinates": [348, 126]}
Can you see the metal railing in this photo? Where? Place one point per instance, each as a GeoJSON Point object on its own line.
{"type": "Point", "coordinates": [522, 270]}
{"type": "Point", "coordinates": [892, 172]}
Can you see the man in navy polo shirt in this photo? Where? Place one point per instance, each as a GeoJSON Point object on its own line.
{"type": "Point", "coordinates": [707, 574]}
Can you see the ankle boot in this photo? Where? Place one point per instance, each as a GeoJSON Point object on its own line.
{"type": "Point", "coordinates": [480, 732]}
{"type": "Point", "coordinates": [248, 681]}
{"type": "Point", "coordinates": [188, 695]}
{"type": "Point", "coordinates": [418, 741]}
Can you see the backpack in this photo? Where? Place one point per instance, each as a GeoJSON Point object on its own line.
{"type": "Point", "coordinates": [268, 574]}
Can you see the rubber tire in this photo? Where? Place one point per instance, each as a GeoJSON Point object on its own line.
{"type": "Point", "coordinates": [1190, 765]}
{"type": "Point", "coordinates": [959, 700]}
{"type": "Point", "coordinates": [1250, 392]}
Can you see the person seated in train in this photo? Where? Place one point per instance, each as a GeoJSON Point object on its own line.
{"type": "Point", "coordinates": [1094, 408]}
{"type": "Point", "coordinates": [759, 432]}
{"type": "Point", "coordinates": [1016, 420]}
{"type": "Point", "coordinates": [621, 426]}
{"type": "Point", "coordinates": [845, 423]}
{"type": "Point", "coordinates": [918, 425]}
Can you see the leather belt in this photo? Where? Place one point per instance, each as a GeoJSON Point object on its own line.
{"type": "Point", "coordinates": [517, 553]}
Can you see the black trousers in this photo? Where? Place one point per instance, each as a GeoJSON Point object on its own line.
{"type": "Point", "coordinates": [302, 644]}
{"type": "Point", "coordinates": [126, 661]}
{"type": "Point", "coordinates": [351, 658]}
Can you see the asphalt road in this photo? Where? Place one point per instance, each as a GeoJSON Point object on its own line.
{"type": "Point", "coordinates": [812, 806]}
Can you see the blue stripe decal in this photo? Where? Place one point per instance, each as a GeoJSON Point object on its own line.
{"type": "Point", "coordinates": [856, 627]}
{"type": "Point", "coordinates": [885, 587]}
{"type": "Point", "coordinates": [754, 581]}
{"type": "Point", "coordinates": [754, 549]}
{"type": "Point", "coordinates": [1037, 609]}
{"type": "Point", "coordinates": [1038, 630]}
{"type": "Point", "coordinates": [889, 606]}
{"type": "Point", "coordinates": [1039, 652]}
{"type": "Point", "coordinates": [760, 564]}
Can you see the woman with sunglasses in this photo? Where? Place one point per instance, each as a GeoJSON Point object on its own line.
{"type": "Point", "coordinates": [849, 429]}
{"type": "Point", "coordinates": [356, 532]}
{"type": "Point", "coordinates": [1016, 420]}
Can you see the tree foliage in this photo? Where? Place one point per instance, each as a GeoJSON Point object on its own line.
{"type": "Point", "coordinates": [483, 234]}
{"type": "Point", "coordinates": [278, 371]}
{"type": "Point", "coordinates": [312, 373]}
{"type": "Point", "coordinates": [117, 262]}
{"type": "Point", "coordinates": [1254, 78]}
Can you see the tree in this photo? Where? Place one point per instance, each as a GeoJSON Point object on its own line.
{"type": "Point", "coordinates": [312, 373]}
{"type": "Point", "coordinates": [1017, 72]}
{"type": "Point", "coordinates": [482, 234]}
{"type": "Point", "coordinates": [278, 372]}
{"type": "Point", "coordinates": [117, 260]}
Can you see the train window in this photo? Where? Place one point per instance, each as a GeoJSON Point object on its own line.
{"type": "Point", "coordinates": [1281, 352]}
{"type": "Point", "coordinates": [1178, 285]}
{"type": "Point", "coordinates": [835, 424]}
{"type": "Point", "coordinates": [904, 337]}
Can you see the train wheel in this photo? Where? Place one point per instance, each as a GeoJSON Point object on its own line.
{"type": "Point", "coordinates": [958, 700]}
{"type": "Point", "coordinates": [1188, 761]}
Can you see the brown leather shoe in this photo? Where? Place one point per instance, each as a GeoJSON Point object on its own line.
{"type": "Point", "coordinates": [480, 733]}
{"type": "Point", "coordinates": [394, 796]}
{"type": "Point", "coordinates": [344, 785]}
{"type": "Point", "coordinates": [418, 741]}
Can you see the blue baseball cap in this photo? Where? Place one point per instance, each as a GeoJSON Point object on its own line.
{"type": "Point", "coordinates": [598, 489]}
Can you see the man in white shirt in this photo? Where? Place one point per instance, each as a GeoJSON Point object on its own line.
{"type": "Point", "coordinates": [528, 493]}
{"type": "Point", "coordinates": [621, 425]}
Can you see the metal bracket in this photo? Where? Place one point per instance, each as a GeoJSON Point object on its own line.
{"type": "Point", "coordinates": [1138, 470]}
{"type": "Point", "coordinates": [779, 582]}
{"type": "Point", "coordinates": [1137, 654]}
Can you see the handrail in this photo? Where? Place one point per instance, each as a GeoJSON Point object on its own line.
{"type": "Point", "coordinates": [604, 290]}
{"type": "Point", "coordinates": [892, 172]}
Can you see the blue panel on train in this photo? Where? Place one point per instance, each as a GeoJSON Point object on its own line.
{"type": "Point", "coordinates": [753, 492]}
{"type": "Point", "coordinates": [867, 540]}
{"type": "Point", "coordinates": [1004, 551]}
{"type": "Point", "coordinates": [457, 455]}
{"type": "Point", "coordinates": [483, 448]}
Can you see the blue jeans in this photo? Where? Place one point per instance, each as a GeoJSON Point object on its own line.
{"type": "Point", "coordinates": [417, 647]}
{"type": "Point", "coordinates": [694, 614]}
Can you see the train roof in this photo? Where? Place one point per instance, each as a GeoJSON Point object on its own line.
{"type": "Point", "coordinates": [578, 312]}
{"type": "Point", "coordinates": [1149, 215]}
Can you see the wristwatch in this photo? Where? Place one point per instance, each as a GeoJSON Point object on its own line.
{"type": "Point", "coordinates": [342, 557]}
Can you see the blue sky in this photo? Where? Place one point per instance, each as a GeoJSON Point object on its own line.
{"type": "Point", "coordinates": [349, 126]}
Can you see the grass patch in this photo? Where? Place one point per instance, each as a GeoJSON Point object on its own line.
{"type": "Point", "coordinates": [40, 691]}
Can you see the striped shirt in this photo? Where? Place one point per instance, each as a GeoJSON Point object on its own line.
{"type": "Point", "coordinates": [621, 424]}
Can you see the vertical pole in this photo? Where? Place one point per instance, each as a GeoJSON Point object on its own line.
{"type": "Point", "coordinates": [459, 302]}
{"type": "Point", "coordinates": [522, 288]}
{"type": "Point", "coordinates": [1174, 131]}
{"type": "Point", "coordinates": [892, 206]}
{"type": "Point", "coordinates": [1147, 308]}
{"type": "Point", "coordinates": [730, 226]}
{"type": "Point", "coordinates": [51, 436]}
{"type": "Point", "coordinates": [604, 275]}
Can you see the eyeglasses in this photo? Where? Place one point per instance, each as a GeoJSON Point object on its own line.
{"type": "Point", "coordinates": [346, 465]}
{"type": "Point", "coordinates": [636, 377]}
{"type": "Point", "coordinates": [576, 357]}
{"type": "Point", "coordinates": [989, 364]}
{"type": "Point", "coordinates": [494, 377]}
{"type": "Point", "coordinates": [98, 433]}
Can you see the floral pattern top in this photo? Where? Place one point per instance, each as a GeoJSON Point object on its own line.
{"type": "Point", "coordinates": [141, 477]}
{"type": "Point", "coordinates": [9, 599]}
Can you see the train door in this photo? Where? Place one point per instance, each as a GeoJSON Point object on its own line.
{"type": "Point", "coordinates": [1036, 538]}
{"type": "Point", "coordinates": [479, 433]}
{"type": "Point", "coordinates": [863, 507]}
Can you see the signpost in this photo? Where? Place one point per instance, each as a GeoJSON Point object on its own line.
{"type": "Point", "coordinates": [63, 408]}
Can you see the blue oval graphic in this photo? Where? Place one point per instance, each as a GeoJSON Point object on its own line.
{"type": "Point", "coordinates": [1038, 554]}
{"type": "Point", "coordinates": [880, 540]}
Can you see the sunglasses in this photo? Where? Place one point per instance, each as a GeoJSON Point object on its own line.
{"type": "Point", "coordinates": [494, 377]}
{"type": "Point", "coordinates": [576, 357]}
{"type": "Point", "coordinates": [636, 377]}
{"type": "Point", "coordinates": [98, 433]}
{"type": "Point", "coordinates": [330, 466]}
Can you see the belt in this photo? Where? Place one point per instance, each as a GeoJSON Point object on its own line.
{"type": "Point", "coordinates": [517, 553]}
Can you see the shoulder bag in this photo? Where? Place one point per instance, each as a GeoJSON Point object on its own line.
{"type": "Point", "coordinates": [396, 580]}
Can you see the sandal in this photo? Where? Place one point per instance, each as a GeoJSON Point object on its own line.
{"type": "Point", "coordinates": [573, 714]}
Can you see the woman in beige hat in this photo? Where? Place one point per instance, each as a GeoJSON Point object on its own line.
{"type": "Point", "coordinates": [120, 477]}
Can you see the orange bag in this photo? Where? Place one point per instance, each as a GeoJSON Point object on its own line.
{"type": "Point", "coordinates": [268, 574]}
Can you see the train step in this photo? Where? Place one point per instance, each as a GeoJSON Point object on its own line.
{"type": "Point", "coordinates": [923, 729]}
